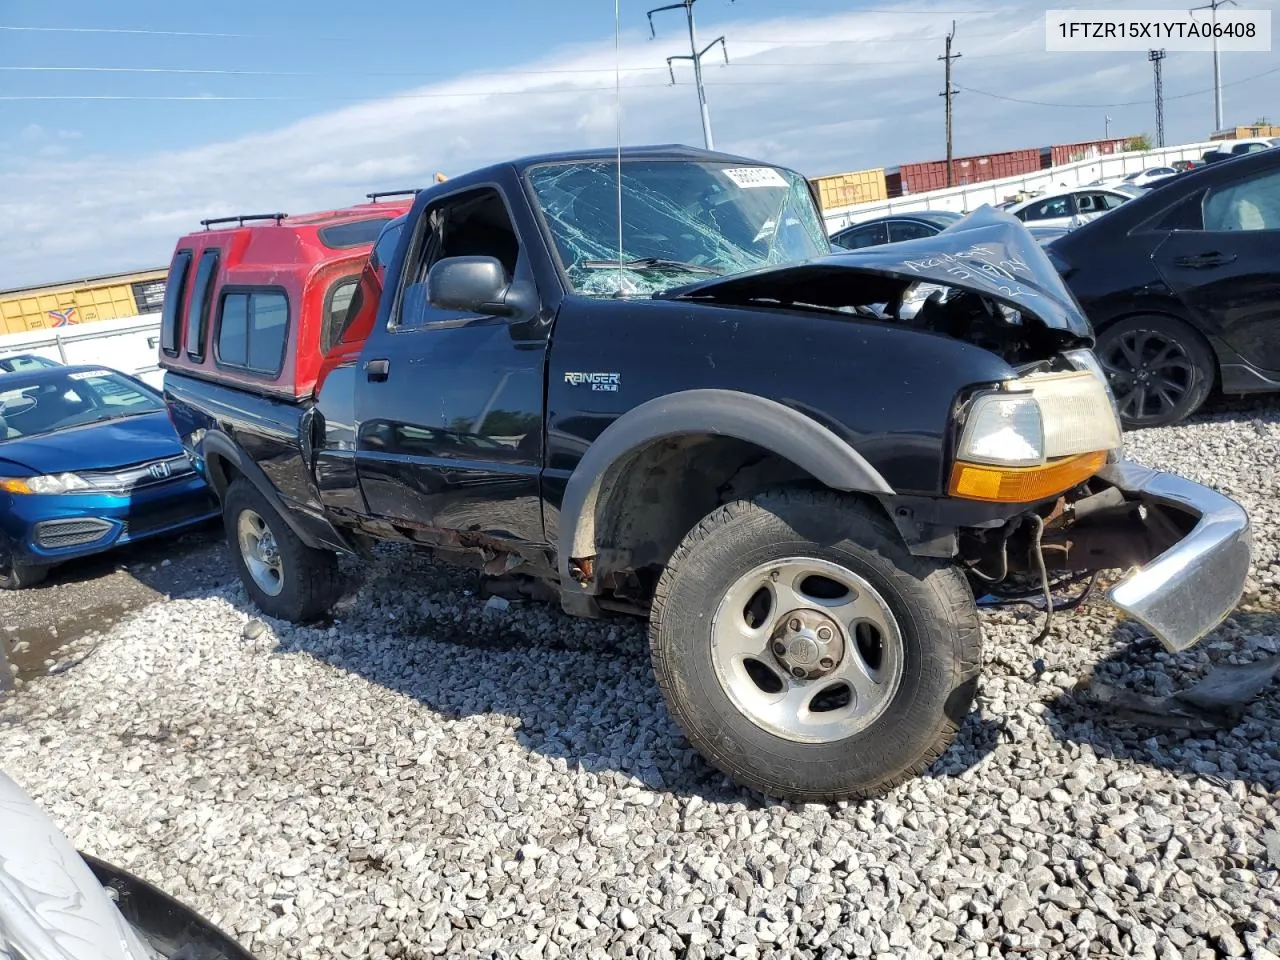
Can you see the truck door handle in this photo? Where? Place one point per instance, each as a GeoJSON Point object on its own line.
{"type": "Point", "coordinates": [1200, 261]}
{"type": "Point", "coordinates": [377, 370]}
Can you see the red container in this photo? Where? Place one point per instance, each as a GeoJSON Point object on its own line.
{"type": "Point", "coordinates": [932, 175]}
{"type": "Point", "coordinates": [1089, 149]}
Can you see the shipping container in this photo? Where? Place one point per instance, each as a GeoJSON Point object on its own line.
{"type": "Point", "coordinates": [932, 175]}
{"type": "Point", "coordinates": [82, 301]}
{"type": "Point", "coordinates": [1064, 153]}
{"type": "Point", "coordinates": [846, 189]}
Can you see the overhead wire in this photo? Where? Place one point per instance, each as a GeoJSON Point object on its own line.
{"type": "Point", "coordinates": [1125, 103]}
{"type": "Point", "coordinates": [313, 74]}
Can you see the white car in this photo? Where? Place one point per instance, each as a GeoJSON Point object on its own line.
{"type": "Point", "coordinates": [1140, 178]}
{"type": "Point", "coordinates": [1237, 147]}
{"type": "Point", "coordinates": [1068, 208]}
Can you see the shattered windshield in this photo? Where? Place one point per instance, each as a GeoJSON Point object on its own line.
{"type": "Point", "coordinates": [682, 221]}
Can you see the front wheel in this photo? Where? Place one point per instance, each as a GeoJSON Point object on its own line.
{"type": "Point", "coordinates": [805, 652]}
{"type": "Point", "coordinates": [285, 578]}
{"type": "Point", "coordinates": [1160, 369]}
{"type": "Point", "coordinates": [18, 576]}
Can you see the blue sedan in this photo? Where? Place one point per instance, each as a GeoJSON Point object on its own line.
{"type": "Point", "coordinates": [88, 460]}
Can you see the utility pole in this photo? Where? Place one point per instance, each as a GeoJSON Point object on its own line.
{"type": "Point", "coordinates": [949, 93]}
{"type": "Point", "coordinates": [1107, 129]}
{"type": "Point", "coordinates": [1213, 6]}
{"type": "Point", "coordinates": [1155, 56]}
{"type": "Point", "coordinates": [696, 56]}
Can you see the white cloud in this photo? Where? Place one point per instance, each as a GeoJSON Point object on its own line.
{"type": "Point", "coordinates": [830, 107]}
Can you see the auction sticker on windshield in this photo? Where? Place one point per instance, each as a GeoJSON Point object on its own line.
{"type": "Point", "coordinates": [747, 177]}
{"type": "Point", "coordinates": [87, 374]}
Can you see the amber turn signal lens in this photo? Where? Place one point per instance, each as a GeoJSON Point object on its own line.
{"type": "Point", "coordinates": [975, 481]}
{"type": "Point", "coordinates": [14, 486]}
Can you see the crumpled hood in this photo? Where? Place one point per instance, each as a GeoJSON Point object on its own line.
{"type": "Point", "coordinates": [988, 252]}
{"type": "Point", "coordinates": [51, 905]}
{"type": "Point", "coordinates": [96, 446]}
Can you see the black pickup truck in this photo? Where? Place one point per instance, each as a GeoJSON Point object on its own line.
{"type": "Point", "coordinates": [647, 380]}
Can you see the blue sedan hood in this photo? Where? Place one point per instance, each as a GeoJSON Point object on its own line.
{"type": "Point", "coordinates": [95, 446]}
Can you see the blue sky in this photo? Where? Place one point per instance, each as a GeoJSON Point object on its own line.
{"type": "Point", "coordinates": [359, 97]}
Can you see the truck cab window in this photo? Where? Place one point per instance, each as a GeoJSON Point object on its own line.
{"type": "Point", "coordinates": [475, 224]}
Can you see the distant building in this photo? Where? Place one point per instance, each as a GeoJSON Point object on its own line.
{"type": "Point", "coordinates": [1247, 133]}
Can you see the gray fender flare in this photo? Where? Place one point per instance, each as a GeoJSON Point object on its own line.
{"type": "Point", "coordinates": [724, 413]}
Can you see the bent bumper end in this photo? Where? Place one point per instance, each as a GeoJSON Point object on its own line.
{"type": "Point", "coordinates": [1193, 586]}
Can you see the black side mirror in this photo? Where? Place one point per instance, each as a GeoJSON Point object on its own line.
{"type": "Point", "coordinates": [477, 285]}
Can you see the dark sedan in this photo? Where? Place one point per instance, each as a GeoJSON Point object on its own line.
{"type": "Point", "coordinates": [17, 362]}
{"type": "Point", "coordinates": [918, 224]}
{"type": "Point", "coordinates": [1182, 287]}
{"type": "Point", "coordinates": [88, 460]}
{"type": "Point", "coordinates": [894, 228]}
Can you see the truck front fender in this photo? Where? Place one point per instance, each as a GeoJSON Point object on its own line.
{"type": "Point", "coordinates": [771, 425]}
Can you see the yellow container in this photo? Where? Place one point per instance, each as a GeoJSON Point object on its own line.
{"type": "Point", "coordinates": [846, 189]}
{"type": "Point", "coordinates": [82, 301]}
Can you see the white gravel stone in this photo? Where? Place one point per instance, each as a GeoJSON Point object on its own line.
{"type": "Point", "coordinates": [418, 779]}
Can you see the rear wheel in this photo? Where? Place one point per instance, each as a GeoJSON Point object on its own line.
{"type": "Point", "coordinates": [285, 578]}
{"type": "Point", "coordinates": [17, 576]}
{"type": "Point", "coordinates": [805, 652]}
{"type": "Point", "coordinates": [1160, 369]}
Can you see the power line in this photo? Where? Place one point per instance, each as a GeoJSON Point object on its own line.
{"type": "Point", "coordinates": [1124, 103]}
{"type": "Point", "coordinates": [861, 41]}
{"type": "Point", "coordinates": [149, 33]}
{"type": "Point", "coordinates": [695, 55]}
{"type": "Point", "coordinates": [218, 98]}
{"type": "Point", "coordinates": [234, 72]}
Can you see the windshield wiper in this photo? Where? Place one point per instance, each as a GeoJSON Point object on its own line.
{"type": "Point", "coordinates": [649, 263]}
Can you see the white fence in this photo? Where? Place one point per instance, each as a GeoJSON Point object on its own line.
{"type": "Point", "coordinates": [973, 195]}
{"type": "Point", "coordinates": [129, 344]}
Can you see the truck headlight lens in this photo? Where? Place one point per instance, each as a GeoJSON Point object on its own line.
{"type": "Point", "coordinates": [1079, 413]}
{"type": "Point", "coordinates": [1041, 435]}
{"type": "Point", "coordinates": [1005, 429]}
{"type": "Point", "coordinates": [53, 483]}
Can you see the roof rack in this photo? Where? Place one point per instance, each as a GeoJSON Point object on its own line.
{"type": "Point", "coordinates": [277, 217]}
{"type": "Point", "coordinates": [373, 197]}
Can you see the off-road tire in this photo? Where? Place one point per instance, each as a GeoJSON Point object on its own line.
{"type": "Point", "coordinates": [1193, 346]}
{"type": "Point", "coordinates": [929, 598]}
{"type": "Point", "coordinates": [310, 584]}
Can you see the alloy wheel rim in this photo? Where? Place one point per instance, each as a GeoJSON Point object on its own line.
{"type": "Point", "coordinates": [1150, 374]}
{"type": "Point", "coordinates": [806, 650]}
{"type": "Point", "coordinates": [260, 552]}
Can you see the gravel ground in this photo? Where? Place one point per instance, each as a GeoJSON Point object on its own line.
{"type": "Point", "coordinates": [425, 777]}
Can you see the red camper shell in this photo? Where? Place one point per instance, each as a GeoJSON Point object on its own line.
{"type": "Point", "coordinates": [259, 300]}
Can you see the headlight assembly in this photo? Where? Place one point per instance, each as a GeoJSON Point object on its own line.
{"type": "Point", "coordinates": [52, 483]}
{"type": "Point", "coordinates": [1034, 438]}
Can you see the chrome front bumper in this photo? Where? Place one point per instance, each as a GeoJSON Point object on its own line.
{"type": "Point", "coordinates": [1194, 585]}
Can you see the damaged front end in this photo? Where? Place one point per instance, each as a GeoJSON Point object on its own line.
{"type": "Point", "coordinates": [1184, 549]}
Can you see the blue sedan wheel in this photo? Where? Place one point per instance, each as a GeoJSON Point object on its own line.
{"type": "Point", "coordinates": [16, 576]}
